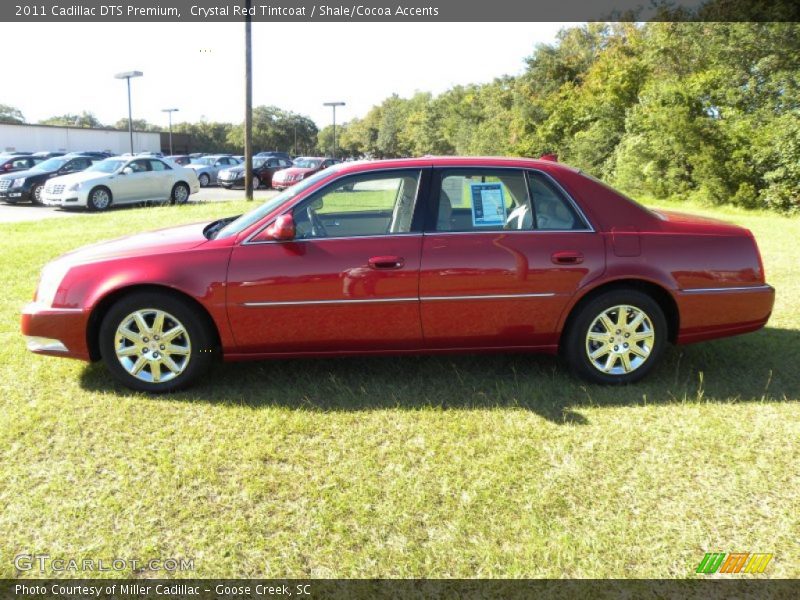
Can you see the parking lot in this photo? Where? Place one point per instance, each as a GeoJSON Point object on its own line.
{"type": "Point", "coordinates": [15, 213]}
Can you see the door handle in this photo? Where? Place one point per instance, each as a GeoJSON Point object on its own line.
{"type": "Point", "coordinates": [386, 262]}
{"type": "Point", "coordinates": [567, 257]}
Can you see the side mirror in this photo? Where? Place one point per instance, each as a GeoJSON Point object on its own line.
{"type": "Point", "coordinates": [127, 171]}
{"type": "Point", "coordinates": [282, 229]}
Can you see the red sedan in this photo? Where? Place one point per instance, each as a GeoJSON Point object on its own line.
{"type": "Point", "coordinates": [401, 256]}
{"type": "Point", "coordinates": [300, 170]}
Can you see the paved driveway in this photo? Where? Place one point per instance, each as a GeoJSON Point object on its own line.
{"type": "Point", "coordinates": [15, 213]}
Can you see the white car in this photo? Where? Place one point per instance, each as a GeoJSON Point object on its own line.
{"type": "Point", "coordinates": [122, 180]}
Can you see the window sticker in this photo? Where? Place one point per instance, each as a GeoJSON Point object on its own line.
{"type": "Point", "coordinates": [488, 205]}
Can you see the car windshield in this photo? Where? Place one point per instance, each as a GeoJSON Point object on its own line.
{"type": "Point", "coordinates": [259, 213]}
{"type": "Point", "coordinates": [107, 166]}
{"type": "Point", "coordinates": [205, 160]}
{"type": "Point", "coordinates": [306, 164]}
{"type": "Point", "coordinates": [51, 164]}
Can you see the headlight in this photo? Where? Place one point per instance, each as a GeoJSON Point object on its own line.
{"type": "Point", "coordinates": [18, 182]}
{"type": "Point", "coordinates": [74, 187]}
{"type": "Point", "coordinates": [52, 276]}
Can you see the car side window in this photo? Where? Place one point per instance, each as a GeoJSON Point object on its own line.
{"type": "Point", "coordinates": [157, 165]}
{"type": "Point", "coordinates": [272, 163]}
{"type": "Point", "coordinates": [483, 200]}
{"type": "Point", "coordinates": [361, 205]}
{"type": "Point", "coordinates": [140, 166]}
{"type": "Point", "coordinates": [552, 210]}
{"type": "Point", "coordinates": [20, 164]}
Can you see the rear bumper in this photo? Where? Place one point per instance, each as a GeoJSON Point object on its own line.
{"type": "Point", "coordinates": [55, 331]}
{"type": "Point", "coordinates": [707, 314]}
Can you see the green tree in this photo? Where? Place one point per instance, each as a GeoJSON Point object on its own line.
{"type": "Point", "coordinates": [85, 119]}
{"type": "Point", "coordinates": [11, 114]}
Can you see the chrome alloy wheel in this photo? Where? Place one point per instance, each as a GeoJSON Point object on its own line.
{"type": "Point", "coordinates": [620, 340]}
{"type": "Point", "coordinates": [181, 194]}
{"type": "Point", "coordinates": [100, 199]}
{"type": "Point", "coordinates": [152, 345]}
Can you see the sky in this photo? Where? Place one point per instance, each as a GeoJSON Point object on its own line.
{"type": "Point", "coordinates": [198, 67]}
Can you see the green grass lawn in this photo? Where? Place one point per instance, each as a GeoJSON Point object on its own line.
{"type": "Point", "coordinates": [463, 466]}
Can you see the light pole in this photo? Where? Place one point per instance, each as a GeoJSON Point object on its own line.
{"type": "Point", "coordinates": [170, 111]}
{"type": "Point", "coordinates": [128, 75]}
{"type": "Point", "coordinates": [333, 105]}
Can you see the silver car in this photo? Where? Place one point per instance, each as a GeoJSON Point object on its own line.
{"type": "Point", "coordinates": [208, 167]}
{"type": "Point", "coordinates": [122, 180]}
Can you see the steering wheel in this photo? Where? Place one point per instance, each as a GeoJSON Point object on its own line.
{"type": "Point", "coordinates": [317, 228]}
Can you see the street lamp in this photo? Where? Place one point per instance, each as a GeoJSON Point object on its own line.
{"type": "Point", "coordinates": [128, 75]}
{"type": "Point", "coordinates": [333, 105]}
{"type": "Point", "coordinates": [170, 111]}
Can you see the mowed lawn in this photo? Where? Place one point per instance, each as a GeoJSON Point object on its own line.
{"type": "Point", "coordinates": [449, 466]}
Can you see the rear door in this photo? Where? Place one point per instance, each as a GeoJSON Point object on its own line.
{"type": "Point", "coordinates": [502, 254]}
{"type": "Point", "coordinates": [163, 178]}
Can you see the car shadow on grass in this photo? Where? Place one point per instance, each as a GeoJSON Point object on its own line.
{"type": "Point", "coordinates": [759, 367]}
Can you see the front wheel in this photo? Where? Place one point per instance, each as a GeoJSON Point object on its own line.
{"type": "Point", "coordinates": [99, 199]}
{"type": "Point", "coordinates": [616, 338]}
{"type": "Point", "coordinates": [204, 180]}
{"type": "Point", "coordinates": [155, 342]}
{"type": "Point", "coordinates": [256, 182]}
{"type": "Point", "coordinates": [36, 194]}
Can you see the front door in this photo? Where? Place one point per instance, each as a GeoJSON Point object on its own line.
{"type": "Point", "coordinates": [505, 255]}
{"type": "Point", "coordinates": [347, 282]}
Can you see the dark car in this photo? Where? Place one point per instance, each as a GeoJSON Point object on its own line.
{"type": "Point", "coordinates": [264, 167]}
{"type": "Point", "coordinates": [95, 154]}
{"type": "Point", "coordinates": [45, 154]}
{"type": "Point", "coordinates": [28, 185]}
{"type": "Point", "coordinates": [10, 164]}
{"type": "Point", "coordinates": [284, 155]}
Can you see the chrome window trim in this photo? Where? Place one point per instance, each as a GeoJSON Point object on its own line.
{"type": "Point", "coordinates": [344, 237]}
{"type": "Point", "coordinates": [748, 288]}
{"type": "Point", "coordinates": [296, 201]}
{"type": "Point", "coordinates": [400, 299]}
{"type": "Point", "coordinates": [523, 170]}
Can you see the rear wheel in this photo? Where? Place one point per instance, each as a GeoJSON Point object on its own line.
{"type": "Point", "coordinates": [180, 194]}
{"type": "Point", "coordinates": [99, 199]}
{"type": "Point", "coordinates": [256, 182]}
{"type": "Point", "coordinates": [155, 342]}
{"type": "Point", "coordinates": [617, 337]}
{"type": "Point", "coordinates": [204, 179]}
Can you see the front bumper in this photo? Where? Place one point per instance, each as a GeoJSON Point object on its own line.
{"type": "Point", "coordinates": [63, 199]}
{"type": "Point", "coordinates": [15, 195]}
{"type": "Point", "coordinates": [55, 331]}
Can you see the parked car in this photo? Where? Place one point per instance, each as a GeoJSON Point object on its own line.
{"type": "Point", "coordinates": [29, 185]}
{"type": "Point", "coordinates": [408, 255]}
{"type": "Point", "coordinates": [207, 167]}
{"type": "Point", "coordinates": [96, 154]}
{"type": "Point", "coordinates": [10, 164]}
{"type": "Point", "coordinates": [263, 170]}
{"type": "Point", "coordinates": [45, 154]}
{"type": "Point", "coordinates": [122, 180]}
{"type": "Point", "coordinates": [300, 169]}
{"type": "Point", "coordinates": [180, 159]}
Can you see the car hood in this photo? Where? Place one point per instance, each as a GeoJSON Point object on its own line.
{"type": "Point", "coordinates": [27, 173]}
{"type": "Point", "coordinates": [152, 243]}
{"type": "Point", "coordinates": [80, 177]}
{"type": "Point", "coordinates": [295, 171]}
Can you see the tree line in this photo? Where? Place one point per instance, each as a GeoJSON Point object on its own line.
{"type": "Point", "coordinates": [708, 111]}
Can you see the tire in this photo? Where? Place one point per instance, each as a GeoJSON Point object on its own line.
{"type": "Point", "coordinates": [36, 194]}
{"type": "Point", "coordinates": [204, 179]}
{"type": "Point", "coordinates": [142, 365]}
{"type": "Point", "coordinates": [99, 199]}
{"type": "Point", "coordinates": [256, 182]}
{"type": "Point", "coordinates": [595, 344]}
{"type": "Point", "coordinates": [180, 194]}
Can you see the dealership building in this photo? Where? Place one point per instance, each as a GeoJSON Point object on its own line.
{"type": "Point", "coordinates": [32, 138]}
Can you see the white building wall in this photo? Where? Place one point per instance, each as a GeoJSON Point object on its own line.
{"type": "Point", "coordinates": [32, 138]}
